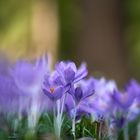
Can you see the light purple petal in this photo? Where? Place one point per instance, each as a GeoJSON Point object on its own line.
{"type": "Point", "coordinates": [81, 73]}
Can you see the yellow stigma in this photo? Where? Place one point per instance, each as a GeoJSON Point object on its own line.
{"type": "Point", "coordinates": [52, 89]}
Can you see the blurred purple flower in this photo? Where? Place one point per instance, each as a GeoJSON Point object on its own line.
{"type": "Point", "coordinates": [123, 100]}
{"type": "Point", "coordinates": [28, 76]}
{"type": "Point", "coordinates": [133, 89]}
{"type": "Point", "coordinates": [101, 104]}
{"type": "Point", "coordinates": [125, 105]}
{"type": "Point", "coordinates": [9, 95]}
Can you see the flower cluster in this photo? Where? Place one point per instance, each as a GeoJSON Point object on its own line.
{"type": "Point", "coordinates": [30, 89]}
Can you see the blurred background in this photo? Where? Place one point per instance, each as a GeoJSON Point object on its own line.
{"type": "Point", "coordinates": [103, 33]}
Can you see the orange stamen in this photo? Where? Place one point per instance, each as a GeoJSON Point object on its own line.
{"type": "Point", "coordinates": [52, 89]}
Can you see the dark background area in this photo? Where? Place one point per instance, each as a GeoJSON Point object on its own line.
{"type": "Point", "coordinates": [104, 34]}
{"type": "Point", "coordinates": [107, 37]}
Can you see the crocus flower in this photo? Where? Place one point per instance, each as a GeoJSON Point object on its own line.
{"type": "Point", "coordinates": [82, 91]}
{"type": "Point", "coordinates": [133, 89]}
{"type": "Point", "coordinates": [123, 100]}
{"type": "Point", "coordinates": [118, 117]}
{"type": "Point", "coordinates": [52, 88]}
{"type": "Point", "coordinates": [79, 93]}
{"type": "Point", "coordinates": [29, 76]}
{"type": "Point", "coordinates": [62, 79]}
{"type": "Point", "coordinates": [101, 104]}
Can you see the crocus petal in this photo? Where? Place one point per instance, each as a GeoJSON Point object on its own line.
{"type": "Point", "coordinates": [72, 65]}
{"type": "Point", "coordinates": [59, 91]}
{"type": "Point", "coordinates": [60, 67]}
{"type": "Point", "coordinates": [124, 100]}
{"type": "Point", "coordinates": [81, 73]}
{"type": "Point", "coordinates": [69, 75]}
{"type": "Point", "coordinates": [78, 94]}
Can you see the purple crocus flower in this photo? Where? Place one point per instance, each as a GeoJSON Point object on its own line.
{"type": "Point", "coordinates": [82, 91]}
{"type": "Point", "coordinates": [52, 87]}
{"type": "Point", "coordinates": [28, 76]}
{"type": "Point", "coordinates": [60, 82]}
{"type": "Point", "coordinates": [62, 79]}
{"type": "Point", "coordinates": [133, 89]}
{"type": "Point", "coordinates": [79, 93]}
{"type": "Point", "coordinates": [123, 100]}
{"type": "Point", "coordinates": [100, 105]}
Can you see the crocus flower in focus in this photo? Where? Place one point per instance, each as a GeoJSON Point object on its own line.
{"type": "Point", "coordinates": [52, 87]}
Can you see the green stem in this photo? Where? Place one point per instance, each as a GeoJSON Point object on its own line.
{"type": "Point", "coordinates": [125, 132]}
{"type": "Point", "coordinates": [73, 127]}
{"type": "Point", "coordinates": [138, 132]}
{"type": "Point", "coordinates": [73, 123]}
{"type": "Point", "coordinates": [97, 130]}
{"type": "Point", "coordinates": [58, 117]}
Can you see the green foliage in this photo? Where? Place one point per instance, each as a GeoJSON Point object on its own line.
{"type": "Point", "coordinates": [132, 130]}
{"type": "Point", "coordinates": [85, 128]}
{"type": "Point", "coordinates": [12, 128]}
{"type": "Point", "coordinates": [45, 124]}
{"type": "Point", "coordinates": [9, 9]}
{"type": "Point", "coordinates": [132, 34]}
